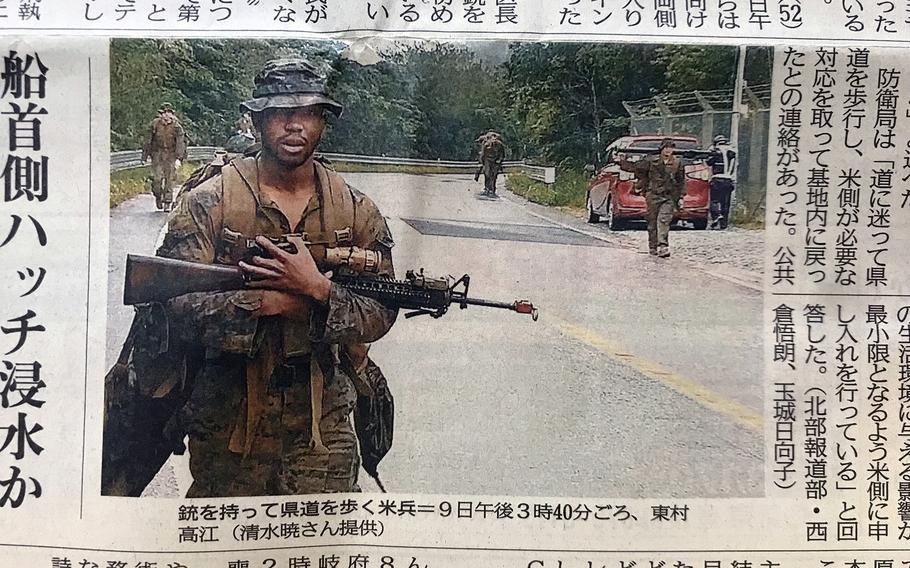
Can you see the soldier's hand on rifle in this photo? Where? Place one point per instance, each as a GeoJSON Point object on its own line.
{"type": "Point", "coordinates": [295, 273]}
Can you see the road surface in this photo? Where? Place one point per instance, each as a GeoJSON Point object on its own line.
{"type": "Point", "coordinates": [642, 377]}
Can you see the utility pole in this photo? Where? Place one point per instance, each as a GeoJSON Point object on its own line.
{"type": "Point", "coordinates": [737, 98]}
{"type": "Point", "coordinates": [738, 85]}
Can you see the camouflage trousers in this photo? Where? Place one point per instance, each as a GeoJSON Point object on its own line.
{"type": "Point", "coordinates": [280, 462]}
{"type": "Point", "coordinates": [660, 215]}
{"type": "Point", "coordinates": [164, 173]}
{"type": "Point", "coordinates": [491, 171]}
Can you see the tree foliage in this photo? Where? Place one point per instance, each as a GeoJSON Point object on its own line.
{"type": "Point", "coordinates": [553, 102]}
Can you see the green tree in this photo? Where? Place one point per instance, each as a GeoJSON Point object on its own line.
{"type": "Point", "coordinates": [569, 96]}
{"type": "Point", "coordinates": [458, 98]}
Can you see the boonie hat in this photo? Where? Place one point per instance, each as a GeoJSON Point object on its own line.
{"type": "Point", "coordinates": [289, 83]}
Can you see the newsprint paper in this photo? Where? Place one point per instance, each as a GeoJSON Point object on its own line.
{"type": "Point", "coordinates": [447, 283]}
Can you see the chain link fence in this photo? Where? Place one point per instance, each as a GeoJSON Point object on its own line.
{"type": "Point", "coordinates": [707, 114]}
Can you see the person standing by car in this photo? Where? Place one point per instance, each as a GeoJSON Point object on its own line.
{"type": "Point", "coordinates": [663, 183]}
{"type": "Point", "coordinates": [723, 180]}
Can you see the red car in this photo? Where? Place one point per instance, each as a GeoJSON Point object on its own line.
{"type": "Point", "coordinates": [610, 194]}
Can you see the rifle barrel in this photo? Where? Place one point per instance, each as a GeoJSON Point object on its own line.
{"type": "Point", "coordinates": [520, 306]}
{"type": "Point", "coordinates": [487, 303]}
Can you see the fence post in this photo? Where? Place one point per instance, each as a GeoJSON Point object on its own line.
{"type": "Point", "coordinates": [666, 115]}
{"type": "Point", "coordinates": [707, 119]}
{"type": "Point", "coordinates": [633, 113]}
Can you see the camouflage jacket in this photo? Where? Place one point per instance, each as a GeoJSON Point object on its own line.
{"type": "Point", "coordinates": [226, 321]}
{"type": "Point", "coordinates": [492, 150]}
{"type": "Point", "coordinates": [659, 179]}
{"type": "Point", "coordinates": [166, 139]}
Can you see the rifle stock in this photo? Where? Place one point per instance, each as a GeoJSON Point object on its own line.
{"type": "Point", "coordinates": [156, 279]}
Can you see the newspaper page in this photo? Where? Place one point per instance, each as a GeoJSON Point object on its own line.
{"type": "Point", "coordinates": [444, 283]}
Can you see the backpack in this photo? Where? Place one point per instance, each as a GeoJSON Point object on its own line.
{"type": "Point", "coordinates": [141, 405]}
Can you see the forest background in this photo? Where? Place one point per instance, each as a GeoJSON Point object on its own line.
{"type": "Point", "coordinates": [556, 104]}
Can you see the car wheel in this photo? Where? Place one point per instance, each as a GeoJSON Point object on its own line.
{"type": "Point", "coordinates": [700, 224]}
{"type": "Point", "coordinates": [592, 216]}
{"type": "Point", "coordinates": [615, 223]}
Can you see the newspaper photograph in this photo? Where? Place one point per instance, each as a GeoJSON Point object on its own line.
{"type": "Point", "coordinates": [398, 297]}
{"type": "Point", "coordinates": [529, 400]}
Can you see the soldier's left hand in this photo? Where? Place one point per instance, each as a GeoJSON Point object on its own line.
{"type": "Point", "coordinates": [296, 273]}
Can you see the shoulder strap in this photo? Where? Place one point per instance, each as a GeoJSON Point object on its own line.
{"type": "Point", "coordinates": [238, 200]}
{"type": "Point", "coordinates": [124, 356]}
{"type": "Point", "coordinates": [339, 213]}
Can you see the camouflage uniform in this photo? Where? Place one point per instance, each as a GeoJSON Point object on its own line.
{"type": "Point", "coordinates": [248, 409]}
{"type": "Point", "coordinates": [663, 184]}
{"type": "Point", "coordinates": [165, 145]}
{"type": "Point", "coordinates": [492, 154]}
{"type": "Point", "coordinates": [251, 438]}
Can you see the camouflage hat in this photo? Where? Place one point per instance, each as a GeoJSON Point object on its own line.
{"type": "Point", "coordinates": [667, 142]}
{"type": "Point", "coordinates": [289, 83]}
{"type": "Point", "coordinates": [166, 107]}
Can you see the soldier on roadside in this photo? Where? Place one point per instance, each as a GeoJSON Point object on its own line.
{"type": "Point", "coordinates": [663, 183]}
{"type": "Point", "coordinates": [251, 355]}
{"type": "Point", "coordinates": [165, 145]}
{"type": "Point", "coordinates": [492, 154]}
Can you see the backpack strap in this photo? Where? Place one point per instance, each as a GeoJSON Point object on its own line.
{"type": "Point", "coordinates": [338, 214]}
{"type": "Point", "coordinates": [238, 196]}
{"type": "Point", "coordinates": [238, 207]}
{"type": "Point", "coordinates": [239, 199]}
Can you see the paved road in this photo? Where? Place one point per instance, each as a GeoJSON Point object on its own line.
{"type": "Point", "coordinates": [642, 377]}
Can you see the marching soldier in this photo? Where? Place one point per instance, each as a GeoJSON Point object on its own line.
{"type": "Point", "coordinates": [165, 145]}
{"type": "Point", "coordinates": [663, 183]}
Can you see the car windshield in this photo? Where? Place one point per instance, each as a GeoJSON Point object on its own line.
{"type": "Point", "coordinates": [655, 144]}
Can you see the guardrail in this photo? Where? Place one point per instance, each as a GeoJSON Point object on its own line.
{"type": "Point", "coordinates": [130, 159]}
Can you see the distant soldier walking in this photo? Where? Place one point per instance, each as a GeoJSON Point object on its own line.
{"type": "Point", "coordinates": [166, 144]}
{"type": "Point", "coordinates": [663, 182]}
{"type": "Point", "coordinates": [492, 155]}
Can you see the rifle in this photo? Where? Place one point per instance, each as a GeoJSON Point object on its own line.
{"type": "Point", "coordinates": [156, 279]}
{"type": "Point", "coordinates": [137, 439]}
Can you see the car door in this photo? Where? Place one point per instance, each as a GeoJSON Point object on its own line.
{"type": "Point", "coordinates": [602, 183]}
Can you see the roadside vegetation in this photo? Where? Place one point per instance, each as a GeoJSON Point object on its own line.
{"type": "Point", "coordinates": [127, 184]}
{"type": "Point", "coordinates": [569, 190]}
